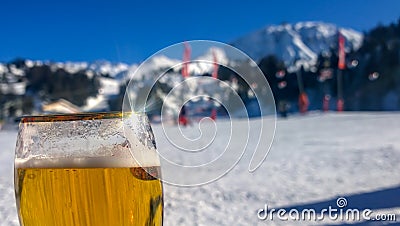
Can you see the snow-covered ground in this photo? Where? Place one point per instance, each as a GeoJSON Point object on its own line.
{"type": "Point", "coordinates": [314, 159]}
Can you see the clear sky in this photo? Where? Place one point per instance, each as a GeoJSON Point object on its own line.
{"type": "Point", "coordinates": [131, 31]}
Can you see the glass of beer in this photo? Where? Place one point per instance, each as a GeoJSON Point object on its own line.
{"type": "Point", "coordinates": [87, 169]}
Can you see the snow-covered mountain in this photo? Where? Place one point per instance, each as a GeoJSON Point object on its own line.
{"type": "Point", "coordinates": [296, 44]}
{"type": "Point", "coordinates": [111, 76]}
{"type": "Point", "coordinates": [198, 66]}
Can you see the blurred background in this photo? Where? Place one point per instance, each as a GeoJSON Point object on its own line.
{"type": "Point", "coordinates": [73, 57]}
{"type": "Point", "coordinates": [333, 68]}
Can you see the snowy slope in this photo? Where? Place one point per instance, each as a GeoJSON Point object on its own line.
{"type": "Point", "coordinates": [314, 158]}
{"type": "Point", "coordinates": [302, 41]}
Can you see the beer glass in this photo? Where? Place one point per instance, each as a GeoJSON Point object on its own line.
{"type": "Point", "coordinates": [83, 169]}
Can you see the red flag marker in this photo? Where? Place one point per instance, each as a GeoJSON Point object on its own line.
{"type": "Point", "coordinates": [303, 102]}
{"type": "Point", "coordinates": [340, 105]}
{"type": "Point", "coordinates": [213, 114]}
{"type": "Point", "coordinates": [341, 66]}
{"type": "Point", "coordinates": [325, 104]}
{"type": "Point", "coordinates": [342, 53]}
{"type": "Point", "coordinates": [186, 60]}
{"type": "Point", "coordinates": [215, 71]}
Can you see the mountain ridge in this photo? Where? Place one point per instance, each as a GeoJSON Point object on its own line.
{"type": "Point", "coordinates": [296, 44]}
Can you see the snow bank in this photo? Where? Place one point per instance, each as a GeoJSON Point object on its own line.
{"type": "Point", "coordinates": [313, 159]}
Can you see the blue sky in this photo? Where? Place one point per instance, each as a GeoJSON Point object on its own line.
{"type": "Point", "coordinates": [131, 31]}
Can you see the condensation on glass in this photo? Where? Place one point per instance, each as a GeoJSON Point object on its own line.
{"type": "Point", "coordinates": [87, 169]}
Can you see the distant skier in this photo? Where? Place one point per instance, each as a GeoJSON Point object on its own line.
{"type": "Point", "coordinates": [182, 118]}
{"type": "Point", "coordinates": [303, 103]}
{"type": "Point", "coordinates": [283, 108]}
{"type": "Point", "coordinates": [213, 114]}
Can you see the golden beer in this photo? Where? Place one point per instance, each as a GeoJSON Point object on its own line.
{"type": "Point", "coordinates": [101, 186]}
{"type": "Point", "coordinates": [89, 196]}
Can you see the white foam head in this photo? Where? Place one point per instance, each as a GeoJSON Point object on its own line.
{"type": "Point", "coordinates": [106, 142]}
{"type": "Point", "coordinates": [86, 162]}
